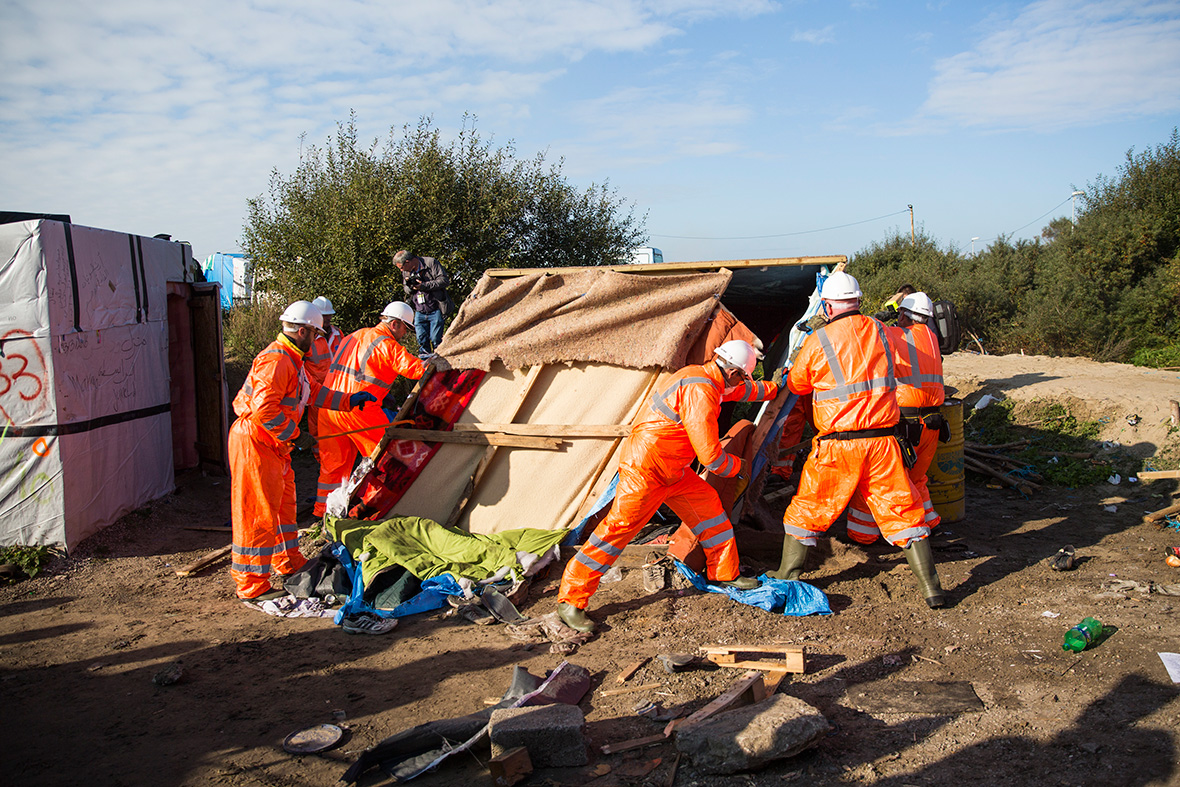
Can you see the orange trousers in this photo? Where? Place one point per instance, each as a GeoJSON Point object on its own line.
{"type": "Point", "coordinates": [637, 497]}
{"type": "Point", "coordinates": [262, 497]}
{"type": "Point", "coordinates": [338, 454]}
{"type": "Point", "coordinates": [838, 469]}
{"type": "Point", "coordinates": [863, 529]}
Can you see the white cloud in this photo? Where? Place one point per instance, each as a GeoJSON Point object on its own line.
{"type": "Point", "coordinates": [1062, 63]}
{"type": "Point", "coordinates": [142, 116]}
{"type": "Point", "coordinates": [820, 36]}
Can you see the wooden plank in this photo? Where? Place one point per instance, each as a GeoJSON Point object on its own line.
{"type": "Point", "coordinates": [634, 743]}
{"type": "Point", "coordinates": [626, 674]}
{"type": "Point", "coordinates": [1155, 516]}
{"type": "Point", "coordinates": [630, 689]}
{"type": "Point", "coordinates": [785, 649]}
{"type": "Point", "coordinates": [1152, 475]}
{"type": "Point", "coordinates": [773, 678]}
{"type": "Point", "coordinates": [789, 666]}
{"type": "Point", "coordinates": [747, 690]}
{"type": "Point", "coordinates": [205, 561]}
{"type": "Point", "coordinates": [678, 267]}
{"type": "Point", "coordinates": [787, 657]}
{"type": "Point", "coordinates": [477, 438]}
{"type": "Point", "coordinates": [407, 405]}
{"type": "Point", "coordinates": [550, 430]}
{"type": "Point", "coordinates": [919, 697]}
{"type": "Point", "coordinates": [510, 767]}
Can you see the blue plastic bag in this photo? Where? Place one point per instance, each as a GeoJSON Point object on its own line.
{"type": "Point", "coordinates": [790, 597]}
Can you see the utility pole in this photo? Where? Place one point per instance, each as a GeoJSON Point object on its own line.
{"type": "Point", "coordinates": [1074, 197]}
{"type": "Point", "coordinates": [913, 242]}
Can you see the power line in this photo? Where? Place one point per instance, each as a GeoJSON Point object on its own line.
{"type": "Point", "coordinates": [784, 234]}
{"type": "Point", "coordinates": [1043, 215]}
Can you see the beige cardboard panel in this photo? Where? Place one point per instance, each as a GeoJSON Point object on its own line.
{"type": "Point", "coordinates": [543, 489]}
{"type": "Point", "coordinates": [436, 492]}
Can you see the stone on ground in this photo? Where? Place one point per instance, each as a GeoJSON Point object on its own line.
{"type": "Point", "coordinates": [552, 734]}
{"type": "Point", "coordinates": [751, 736]}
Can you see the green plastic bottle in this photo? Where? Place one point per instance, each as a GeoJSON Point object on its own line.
{"type": "Point", "coordinates": [1082, 635]}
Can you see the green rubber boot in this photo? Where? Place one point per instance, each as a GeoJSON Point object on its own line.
{"type": "Point", "coordinates": [741, 583]}
{"type": "Point", "coordinates": [921, 561]}
{"type": "Point", "coordinates": [794, 556]}
{"type": "Point", "coordinates": [575, 618]}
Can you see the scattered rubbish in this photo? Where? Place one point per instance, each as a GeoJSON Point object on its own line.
{"type": "Point", "coordinates": [169, 675]}
{"type": "Point", "coordinates": [1048, 614]}
{"type": "Point", "coordinates": [951, 648]}
{"type": "Point", "coordinates": [1052, 460]}
{"type": "Point", "coordinates": [646, 708]}
{"type": "Point", "coordinates": [1172, 561]}
{"type": "Point", "coordinates": [290, 607]}
{"type": "Point", "coordinates": [1064, 560]}
{"type": "Point", "coordinates": [1110, 509]}
{"type": "Point", "coordinates": [1082, 635]}
{"type": "Point", "coordinates": [1114, 479]}
{"type": "Point", "coordinates": [1172, 665]}
{"type": "Point", "coordinates": [676, 662]}
{"type": "Point", "coordinates": [548, 628]}
{"type": "Point", "coordinates": [1133, 420]}
{"type": "Point", "coordinates": [614, 575]}
{"type": "Point", "coordinates": [984, 401]}
{"type": "Point", "coordinates": [500, 607]}
{"type": "Point", "coordinates": [313, 739]}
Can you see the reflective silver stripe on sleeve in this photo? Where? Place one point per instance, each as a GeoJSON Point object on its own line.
{"type": "Point", "coordinates": [247, 389]}
{"type": "Point", "coordinates": [591, 563]}
{"type": "Point", "coordinates": [289, 432]}
{"type": "Point", "coordinates": [289, 401]}
{"type": "Point", "coordinates": [276, 422]}
{"type": "Point", "coordinates": [717, 464]}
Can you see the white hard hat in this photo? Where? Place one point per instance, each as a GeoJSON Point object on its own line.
{"type": "Point", "coordinates": [323, 304]}
{"type": "Point", "coordinates": [738, 354]}
{"type": "Point", "coordinates": [840, 286]}
{"type": "Point", "coordinates": [303, 313]}
{"type": "Point", "coordinates": [401, 311]}
{"type": "Point", "coordinates": [918, 303]}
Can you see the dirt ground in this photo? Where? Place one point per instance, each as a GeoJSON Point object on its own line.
{"type": "Point", "coordinates": [80, 644]}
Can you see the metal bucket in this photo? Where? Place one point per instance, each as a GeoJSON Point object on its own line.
{"type": "Point", "coordinates": [944, 479]}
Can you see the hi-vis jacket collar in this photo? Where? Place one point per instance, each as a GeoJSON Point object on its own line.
{"type": "Point", "coordinates": [285, 340]}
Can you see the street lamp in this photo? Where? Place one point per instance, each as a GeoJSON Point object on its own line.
{"type": "Point", "coordinates": [1074, 218]}
{"type": "Point", "coordinates": [973, 245]}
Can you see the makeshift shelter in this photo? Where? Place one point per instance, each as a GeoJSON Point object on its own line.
{"type": "Point", "coordinates": [111, 377]}
{"type": "Point", "coordinates": [567, 355]}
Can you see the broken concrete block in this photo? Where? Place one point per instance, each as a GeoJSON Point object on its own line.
{"type": "Point", "coordinates": [749, 737]}
{"type": "Point", "coordinates": [552, 734]}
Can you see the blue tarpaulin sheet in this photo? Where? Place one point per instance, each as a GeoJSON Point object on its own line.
{"type": "Point", "coordinates": [788, 597]}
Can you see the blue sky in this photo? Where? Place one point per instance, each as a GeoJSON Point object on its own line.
{"type": "Point", "coordinates": [741, 128]}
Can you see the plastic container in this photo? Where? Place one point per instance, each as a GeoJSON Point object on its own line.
{"type": "Point", "coordinates": [1082, 636]}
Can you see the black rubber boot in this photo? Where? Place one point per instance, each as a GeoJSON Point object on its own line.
{"type": "Point", "coordinates": [921, 561]}
{"type": "Point", "coordinates": [794, 556]}
{"type": "Point", "coordinates": [575, 618]}
{"type": "Point", "coordinates": [740, 583]}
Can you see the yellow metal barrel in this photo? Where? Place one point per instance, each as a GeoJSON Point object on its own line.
{"type": "Point", "coordinates": [944, 479]}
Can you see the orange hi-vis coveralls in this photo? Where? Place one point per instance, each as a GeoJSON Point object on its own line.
{"type": "Point", "coordinates": [917, 364]}
{"type": "Point", "coordinates": [262, 484]}
{"type": "Point", "coordinates": [680, 424]}
{"type": "Point", "coordinates": [847, 366]}
{"type": "Point", "coordinates": [316, 364]}
{"type": "Point", "coordinates": [368, 360]}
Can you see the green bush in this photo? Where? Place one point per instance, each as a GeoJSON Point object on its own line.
{"type": "Point", "coordinates": [249, 328]}
{"type": "Point", "coordinates": [30, 559]}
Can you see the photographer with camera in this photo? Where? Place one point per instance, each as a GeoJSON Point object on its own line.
{"type": "Point", "coordinates": [425, 283]}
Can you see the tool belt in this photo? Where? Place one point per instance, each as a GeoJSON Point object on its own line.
{"type": "Point", "coordinates": [897, 432]}
{"type": "Point", "coordinates": [857, 434]}
{"type": "Point", "coordinates": [930, 418]}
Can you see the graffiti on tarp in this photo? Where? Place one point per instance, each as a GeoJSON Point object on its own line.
{"type": "Point", "coordinates": [22, 376]}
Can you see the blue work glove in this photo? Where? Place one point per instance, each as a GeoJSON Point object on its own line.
{"type": "Point", "coordinates": [359, 399]}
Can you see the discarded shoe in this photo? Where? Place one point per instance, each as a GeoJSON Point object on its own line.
{"type": "Point", "coordinates": [500, 607]}
{"type": "Point", "coordinates": [575, 618]}
{"type": "Point", "coordinates": [741, 583]}
{"type": "Point", "coordinates": [675, 662]}
{"type": "Point", "coordinates": [1064, 559]}
{"type": "Point", "coordinates": [365, 623]}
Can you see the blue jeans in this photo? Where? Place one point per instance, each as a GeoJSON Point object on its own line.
{"type": "Point", "coordinates": [429, 328]}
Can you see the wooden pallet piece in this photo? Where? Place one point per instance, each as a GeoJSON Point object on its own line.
{"type": "Point", "coordinates": [634, 743]}
{"type": "Point", "coordinates": [207, 560]}
{"type": "Point", "coordinates": [788, 658]}
{"type": "Point", "coordinates": [626, 674]}
{"type": "Point", "coordinates": [564, 431]}
{"type": "Point", "coordinates": [746, 690]}
{"type": "Point", "coordinates": [510, 767]}
{"type": "Point", "coordinates": [631, 689]}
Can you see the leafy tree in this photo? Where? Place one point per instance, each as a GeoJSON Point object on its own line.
{"type": "Point", "coordinates": [331, 227]}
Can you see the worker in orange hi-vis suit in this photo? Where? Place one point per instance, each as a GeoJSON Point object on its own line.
{"type": "Point", "coordinates": [367, 363]}
{"type": "Point", "coordinates": [917, 365]}
{"type": "Point", "coordinates": [319, 358]}
{"type": "Point", "coordinates": [847, 366]}
{"type": "Point", "coordinates": [679, 425]}
{"type": "Point", "coordinates": [262, 484]}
